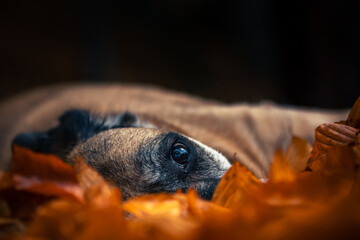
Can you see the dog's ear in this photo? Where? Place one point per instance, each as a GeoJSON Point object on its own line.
{"type": "Point", "coordinates": [75, 126]}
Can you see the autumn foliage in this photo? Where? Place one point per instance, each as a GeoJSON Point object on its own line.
{"type": "Point", "coordinates": [311, 193]}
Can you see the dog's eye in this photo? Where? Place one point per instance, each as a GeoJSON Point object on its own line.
{"type": "Point", "coordinates": [180, 153]}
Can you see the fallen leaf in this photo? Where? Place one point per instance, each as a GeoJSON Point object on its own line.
{"type": "Point", "coordinates": [44, 174]}
{"type": "Point", "coordinates": [314, 205]}
{"type": "Point", "coordinates": [353, 119]}
{"type": "Point", "coordinates": [11, 226]}
{"type": "Point", "coordinates": [281, 170]}
{"type": "Point", "coordinates": [99, 216]}
{"type": "Point", "coordinates": [172, 205]}
{"type": "Point", "coordinates": [236, 182]}
{"type": "Point", "coordinates": [96, 190]}
{"type": "Point", "coordinates": [66, 219]}
{"type": "Point", "coordinates": [87, 176]}
{"type": "Point", "coordinates": [298, 153]}
{"type": "Point", "coordinates": [327, 136]}
{"type": "Point", "coordinates": [17, 204]}
{"type": "Point", "coordinates": [170, 215]}
{"type": "Point", "coordinates": [6, 180]}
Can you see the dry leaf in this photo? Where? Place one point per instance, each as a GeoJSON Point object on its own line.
{"type": "Point", "coordinates": [172, 205]}
{"type": "Point", "coordinates": [315, 205]}
{"type": "Point", "coordinates": [11, 226]}
{"type": "Point", "coordinates": [97, 191]}
{"type": "Point", "coordinates": [99, 217]}
{"type": "Point", "coordinates": [280, 169]}
{"type": "Point", "coordinates": [6, 180]}
{"type": "Point", "coordinates": [236, 182]}
{"type": "Point", "coordinates": [321, 204]}
{"type": "Point", "coordinates": [353, 119]}
{"type": "Point", "coordinates": [166, 215]}
{"type": "Point", "coordinates": [325, 206]}
{"type": "Point", "coordinates": [170, 215]}
{"type": "Point", "coordinates": [44, 174]}
{"type": "Point", "coordinates": [66, 219]}
{"type": "Point", "coordinates": [327, 136]}
{"type": "Point", "coordinates": [298, 154]}
{"type": "Point", "coordinates": [87, 176]}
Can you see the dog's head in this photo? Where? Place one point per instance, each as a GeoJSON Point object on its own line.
{"type": "Point", "coordinates": [130, 155]}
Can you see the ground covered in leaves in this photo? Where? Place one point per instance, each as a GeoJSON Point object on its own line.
{"type": "Point", "coordinates": [43, 198]}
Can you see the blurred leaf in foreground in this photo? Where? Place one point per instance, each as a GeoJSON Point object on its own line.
{"type": "Point", "coordinates": [236, 183]}
{"type": "Point", "coordinates": [44, 174]}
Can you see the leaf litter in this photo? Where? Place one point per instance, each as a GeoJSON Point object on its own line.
{"type": "Point", "coordinates": [312, 193]}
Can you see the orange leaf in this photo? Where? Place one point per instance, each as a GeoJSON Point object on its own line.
{"type": "Point", "coordinates": [87, 176]}
{"type": "Point", "coordinates": [157, 204]}
{"type": "Point", "coordinates": [170, 215]}
{"type": "Point", "coordinates": [298, 153]}
{"type": "Point", "coordinates": [44, 174]}
{"type": "Point", "coordinates": [6, 180]}
{"type": "Point", "coordinates": [171, 205]}
{"type": "Point", "coordinates": [64, 219]}
{"type": "Point", "coordinates": [280, 169]}
{"type": "Point", "coordinates": [353, 119]}
{"type": "Point", "coordinates": [327, 136]}
{"type": "Point", "coordinates": [237, 182]}
{"type": "Point", "coordinates": [101, 217]}
{"type": "Point", "coordinates": [97, 191]}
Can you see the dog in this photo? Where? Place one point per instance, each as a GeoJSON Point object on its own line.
{"type": "Point", "coordinates": [145, 139]}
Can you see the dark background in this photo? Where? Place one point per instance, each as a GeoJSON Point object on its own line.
{"type": "Point", "coordinates": [291, 52]}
